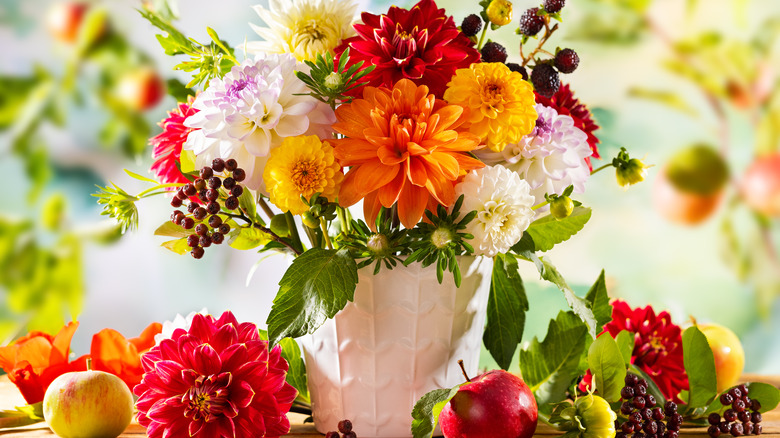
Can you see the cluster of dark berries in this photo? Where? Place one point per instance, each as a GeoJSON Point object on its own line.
{"type": "Point", "coordinates": [742, 418]}
{"type": "Point", "coordinates": [203, 215]}
{"type": "Point", "coordinates": [345, 427]}
{"type": "Point", "coordinates": [645, 419]}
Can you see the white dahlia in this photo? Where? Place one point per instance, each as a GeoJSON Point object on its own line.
{"type": "Point", "coordinates": [251, 111]}
{"type": "Point", "coordinates": [550, 158]}
{"type": "Point", "coordinates": [179, 322]}
{"type": "Point", "coordinates": [503, 204]}
{"type": "Point", "coordinates": [303, 27]}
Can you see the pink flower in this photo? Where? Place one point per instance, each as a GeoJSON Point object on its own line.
{"type": "Point", "coordinates": [217, 379]}
{"type": "Point", "coordinates": [167, 144]}
{"type": "Point", "coordinates": [657, 350]}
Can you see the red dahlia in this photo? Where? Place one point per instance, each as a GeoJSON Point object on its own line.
{"type": "Point", "coordinates": [217, 379]}
{"type": "Point", "coordinates": [658, 347]}
{"type": "Point", "coordinates": [564, 102]}
{"type": "Point", "coordinates": [422, 44]}
{"type": "Point", "coordinates": [167, 144]}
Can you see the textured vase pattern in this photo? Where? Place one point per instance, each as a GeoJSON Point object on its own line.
{"type": "Point", "coordinates": [400, 338]}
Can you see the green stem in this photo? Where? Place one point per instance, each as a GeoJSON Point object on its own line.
{"type": "Point", "coordinates": [266, 209]}
{"type": "Point", "coordinates": [538, 206]}
{"type": "Point", "coordinates": [158, 187]}
{"type": "Point", "coordinates": [342, 219]}
{"type": "Point", "coordinates": [296, 238]}
{"type": "Point", "coordinates": [601, 168]}
{"type": "Point", "coordinates": [482, 37]}
{"type": "Point", "coordinates": [325, 235]}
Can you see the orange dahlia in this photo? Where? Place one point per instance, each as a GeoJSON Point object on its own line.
{"type": "Point", "coordinates": [404, 146]}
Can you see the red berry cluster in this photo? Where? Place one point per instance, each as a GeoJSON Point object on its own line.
{"type": "Point", "coordinates": [644, 418]}
{"type": "Point", "coordinates": [742, 418]}
{"type": "Point", "coordinates": [203, 218]}
{"type": "Point", "coordinates": [345, 427]}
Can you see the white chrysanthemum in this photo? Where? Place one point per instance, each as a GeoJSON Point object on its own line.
{"type": "Point", "coordinates": [251, 111]}
{"type": "Point", "coordinates": [503, 204]}
{"type": "Point", "coordinates": [550, 158]}
{"type": "Point", "coordinates": [179, 322]}
{"type": "Point", "coordinates": [303, 27]}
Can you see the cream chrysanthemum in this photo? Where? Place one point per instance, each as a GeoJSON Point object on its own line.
{"type": "Point", "coordinates": [251, 110]}
{"type": "Point", "coordinates": [302, 166]}
{"type": "Point", "coordinates": [550, 158]}
{"type": "Point", "coordinates": [503, 204]}
{"type": "Point", "coordinates": [303, 27]}
{"type": "Point", "coordinates": [500, 102]}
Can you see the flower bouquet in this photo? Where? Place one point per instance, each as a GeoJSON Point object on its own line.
{"type": "Point", "coordinates": [465, 164]}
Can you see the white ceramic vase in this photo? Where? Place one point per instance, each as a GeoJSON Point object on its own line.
{"type": "Point", "coordinates": [400, 338]}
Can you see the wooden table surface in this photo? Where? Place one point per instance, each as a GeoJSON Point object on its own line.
{"type": "Point", "coordinates": [10, 397]}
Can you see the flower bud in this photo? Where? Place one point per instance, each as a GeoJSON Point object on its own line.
{"type": "Point", "coordinates": [633, 172]}
{"type": "Point", "coordinates": [378, 245]}
{"type": "Point", "coordinates": [333, 81]}
{"type": "Point", "coordinates": [499, 12]}
{"type": "Point", "coordinates": [561, 207]}
{"type": "Point", "coordinates": [309, 220]}
{"type": "Point", "coordinates": [441, 237]}
{"type": "Point", "coordinates": [596, 416]}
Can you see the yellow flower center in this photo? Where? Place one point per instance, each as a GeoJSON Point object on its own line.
{"type": "Point", "coordinates": [305, 175]}
{"type": "Point", "coordinates": [492, 94]}
{"type": "Point", "coordinates": [309, 31]}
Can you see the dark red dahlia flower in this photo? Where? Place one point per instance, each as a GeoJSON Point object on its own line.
{"type": "Point", "coordinates": [658, 347]}
{"type": "Point", "coordinates": [422, 44]}
{"type": "Point", "coordinates": [167, 144]}
{"type": "Point", "coordinates": [564, 102]}
{"type": "Point", "coordinates": [218, 379]}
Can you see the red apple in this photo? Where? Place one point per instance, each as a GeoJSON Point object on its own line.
{"type": "Point", "coordinates": [727, 352]}
{"type": "Point", "coordinates": [140, 89]}
{"type": "Point", "coordinates": [682, 207]}
{"type": "Point", "coordinates": [493, 404]}
{"type": "Point", "coordinates": [761, 185]}
{"type": "Point", "coordinates": [64, 20]}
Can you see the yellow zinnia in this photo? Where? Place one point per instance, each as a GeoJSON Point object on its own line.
{"type": "Point", "coordinates": [500, 102]}
{"type": "Point", "coordinates": [301, 166]}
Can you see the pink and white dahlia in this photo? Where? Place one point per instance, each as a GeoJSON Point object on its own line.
{"type": "Point", "coordinates": [550, 158]}
{"type": "Point", "coordinates": [251, 110]}
{"type": "Point", "coordinates": [217, 379]}
{"type": "Point", "coordinates": [503, 204]}
{"type": "Point", "coordinates": [168, 144]}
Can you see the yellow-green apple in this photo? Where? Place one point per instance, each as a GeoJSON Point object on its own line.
{"type": "Point", "coordinates": [727, 352]}
{"type": "Point", "coordinates": [493, 404]}
{"type": "Point", "coordinates": [140, 89]}
{"type": "Point", "coordinates": [760, 185]}
{"type": "Point", "coordinates": [64, 20]}
{"type": "Point", "coordinates": [689, 188]}
{"type": "Point", "coordinates": [91, 404]}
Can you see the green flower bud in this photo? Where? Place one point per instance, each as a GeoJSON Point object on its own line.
{"type": "Point", "coordinates": [561, 207]}
{"type": "Point", "coordinates": [596, 418]}
{"type": "Point", "coordinates": [309, 220]}
{"type": "Point", "coordinates": [499, 12]}
{"type": "Point", "coordinates": [634, 171]}
{"type": "Point", "coordinates": [378, 245]}
{"type": "Point", "coordinates": [441, 237]}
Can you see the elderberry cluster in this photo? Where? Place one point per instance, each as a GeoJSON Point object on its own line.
{"type": "Point", "coordinates": [742, 418]}
{"type": "Point", "coordinates": [204, 195]}
{"type": "Point", "coordinates": [644, 418]}
{"type": "Point", "coordinates": [345, 427]}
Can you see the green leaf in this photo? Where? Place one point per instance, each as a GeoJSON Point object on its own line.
{"type": "Point", "coordinates": [599, 302]}
{"type": "Point", "coordinates": [247, 203]}
{"type": "Point", "coordinates": [179, 246]}
{"type": "Point", "coordinates": [315, 287]}
{"type": "Point", "coordinates": [580, 306]}
{"type": "Point", "coordinates": [296, 374]}
{"type": "Point", "coordinates": [700, 367]}
{"type": "Point", "coordinates": [549, 367]}
{"type": "Point", "coordinates": [507, 304]}
{"type": "Point", "coordinates": [548, 231]}
{"type": "Point", "coordinates": [170, 229]}
{"type": "Point", "coordinates": [249, 238]}
{"type": "Point", "coordinates": [425, 413]}
{"type": "Point", "coordinates": [768, 395]}
{"type": "Point", "coordinates": [140, 177]}
{"type": "Point", "coordinates": [609, 370]}
{"type": "Point", "coordinates": [625, 342]}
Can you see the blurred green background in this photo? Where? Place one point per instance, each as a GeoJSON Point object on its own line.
{"type": "Point", "coordinates": [659, 75]}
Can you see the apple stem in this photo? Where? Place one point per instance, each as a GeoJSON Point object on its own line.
{"type": "Point", "coordinates": [89, 364]}
{"type": "Point", "coordinates": [463, 368]}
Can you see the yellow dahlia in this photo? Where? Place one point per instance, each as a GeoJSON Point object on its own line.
{"type": "Point", "coordinates": [301, 166]}
{"type": "Point", "coordinates": [500, 102]}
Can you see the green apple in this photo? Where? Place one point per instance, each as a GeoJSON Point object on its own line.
{"type": "Point", "coordinates": [727, 352]}
{"type": "Point", "coordinates": [88, 404]}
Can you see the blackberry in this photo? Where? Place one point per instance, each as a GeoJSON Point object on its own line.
{"type": "Point", "coordinates": [739, 405]}
{"type": "Point", "coordinates": [641, 389]}
{"type": "Point", "coordinates": [631, 380]}
{"type": "Point", "coordinates": [224, 228]}
{"type": "Point", "coordinates": [345, 426]}
{"type": "Point", "coordinates": [567, 60]}
{"type": "Point", "coordinates": [201, 229]}
{"type": "Point", "coordinates": [730, 415]}
{"type": "Point", "coordinates": [177, 216]}
{"type": "Point", "coordinates": [658, 414]}
{"type": "Point", "coordinates": [191, 208]}
{"type": "Point", "coordinates": [215, 221]}
{"type": "Point", "coordinates": [650, 428]}
{"type": "Point", "coordinates": [239, 174]}
{"type": "Point", "coordinates": [189, 190]}
{"type": "Point", "coordinates": [205, 241]}
{"type": "Point", "coordinates": [756, 417]}
{"type": "Point", "coordinates": [213, 207]}
{"type": "Point", "coordinates": [735, 393]}
{"type": "Point", "coordinates": [627, 392]}
{"type": "Point", "coordinates": [187, 223]}
{"type": "Point", "coordinates": [212, 194]}
{"type": "Point", "coordinates": [724, 427]}
{"type": "Point", "coordinates": [231, 165]}
{"type": "Point", "coordinates": [215, 182]}
{"type": "Point", "coordinates": [714, 418]}
{"type": "Point", "coordinates": [217, 238]}
{"type": "Point", "coordinates": [546, 81]}
{"type": "Point", "coordinates": [758, 429]}
{"type": "Point", "coordinates": [176, 202]}
{"type": "Point", "coordinates": [737, 429]}
{"type": "Point", "coordinates": [650, 400]}
{"type": "Point", "coordinates": [237, 191]}
{"type": "Point", "coordinates": [218, 165]}
{"type": "Point", "coordinates": [471, 25]}
{"type": "Point", "coordinates": [192, 240]}
{"type": "Point", "coordinates": [748, 428]}
{"type": "Point", "coordinates": [713, 431]}
{"type": "Point", "coordinates": [228, 183]}
{"type": "Point", "coordinates": [197, 252]}
{"type": "Point", "coordinates": [513, 66]}
{"type": "Point", "coordinates": [670, 408]}
{"type": "Point", "coordinates": [181, 195]}
{"type": "Point", "coordinates": [231, 203]}
{"type": "Point", "coordinates": [206, 172]}
{"type": "Point", "coordinates": [755, 405]}
{"type": "Point", "coordinates": [743, 389]}
{"type": "Point", "coordinates": [530, 22]}
{"type": "Point", "coordinates": [493, 52]}
{"type": "Point", "coordinates": [743, 416]}
{"type": "Point", "coordinates": [199, 213]}
{"type": "Point", "coordinates": [726, 399]}
{"type": "Point", "coordinates": [627, 427]}
{"type": "Point", "coordinates": [199, 183]}
{"type": "Point", "coordinates": [639, 402]}
{"type": "Point", "coordinates": [553, 6]}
